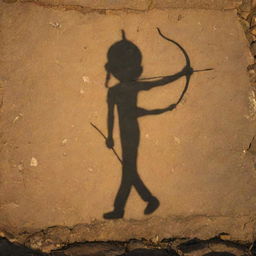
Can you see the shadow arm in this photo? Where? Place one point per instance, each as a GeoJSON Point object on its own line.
{"type": "Point", "coordinates": [146, 112]}
{"type": "Point", "coordinates": [110, 115]}
{"type": "Point", "coordinates": [160, 82]}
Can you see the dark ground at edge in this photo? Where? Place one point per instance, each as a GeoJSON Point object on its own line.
{"type": "Point", "coordinates": [188, 247]}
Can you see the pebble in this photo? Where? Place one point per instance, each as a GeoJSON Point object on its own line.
{"type": "Point", "coordinates": [253, 30]}
{"type": "Point", "coordinates": [177, 140]}
{"type": "Point", "coordinates": [64, 142]}
{"type": "Point", "coordinates": [86, 79]}
{"type": "Point", "coordinates": [225, 237]}
{"type": "Point", "coordinates": [17, 117]}
{"type": "Point", "coordinates": [155, 239]}
{"type": "Point", "coordinates": [33, 162]}
{"type": "Point", "coordinates": [82, 91]}
{"type": "Point", "coordinates": [20, 167]}
{"type": "Point", "coordinates": [252, 67]}
{"type": "Point", "coordinates": [55, 24]}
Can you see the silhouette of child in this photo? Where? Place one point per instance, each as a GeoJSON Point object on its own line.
{"type": "Point", "coordinates": [124, 63]}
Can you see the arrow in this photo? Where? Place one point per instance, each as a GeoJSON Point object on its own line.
{"type": "Point", "coordinates": [155, 77]}
{"type": "Point", "coordinates": [103, 135]}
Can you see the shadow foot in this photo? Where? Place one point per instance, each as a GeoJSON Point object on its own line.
{"type": "Point", "coordinates": [153, 204]}
{"type": "Point", "coordinates": [116, 214]}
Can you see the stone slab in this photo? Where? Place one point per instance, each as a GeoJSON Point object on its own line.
{"type": "Point", "coordinates": [55, 167]}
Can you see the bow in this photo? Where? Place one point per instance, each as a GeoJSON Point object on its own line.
{"type": "Point", "coordinates": [188, 64]}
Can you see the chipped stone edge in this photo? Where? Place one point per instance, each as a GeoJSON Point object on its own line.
{"type": "Point", "coordinates": [245, 18]}
{"type": "Point", "coordinates": [149, 5]}
{"type": "Point", "coordinates": [238, 228]}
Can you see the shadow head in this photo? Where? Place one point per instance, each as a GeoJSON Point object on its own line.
{"type": "Point", "coordinates": [124, 60]}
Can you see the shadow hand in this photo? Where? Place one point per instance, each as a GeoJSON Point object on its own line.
{"type": "Point", "coordinates": [110, 142]}
{"type": "Point", "coordinates": [172, 107]}
{"type": "Point", "coordinates": [187, 71]}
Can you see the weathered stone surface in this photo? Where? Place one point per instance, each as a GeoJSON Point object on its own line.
{"type": "Point", "coordinates": [97, 4]}
{"type": "Point", "coordinates": [244, 15]}
{"type": "Point", "coordinates": [55, 167]}
{"type": "Point", "coordinates": [93, 249]}
{"type": "Point", "coordinates": [148, 252]}
{"type": "Point", "coordinates": [246, 5]}
{"type": "Point", "coordinates": [212, 247]}
{"type": "Point", "coordinates": [146, 4]}
{"type": "Point", "coordinates": [52, 238]}
{"type": "Point", "coordinates": [215, 4]}
{"type": "Point", "coordinates": [136, 244]}
{"type": "Point", "coordinates": [9, 1]}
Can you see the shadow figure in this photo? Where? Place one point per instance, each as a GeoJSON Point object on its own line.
{"type": "Point", "coordinates": [124, 62]}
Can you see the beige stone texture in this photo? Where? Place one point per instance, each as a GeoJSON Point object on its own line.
{"type": "Point", "coordinates": [214, 4]}
{"type": "Point", "coordinates": [98, 4]}
{"type": "Point", "coordinates": [142, 5]}
{"type": "Point", "coordinates": [55, 168]}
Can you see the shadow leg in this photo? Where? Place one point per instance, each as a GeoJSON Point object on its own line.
{"type": "Point", "coordinates": [141, 188]}
{"type": "Point", "coordinates": [124, 189]}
